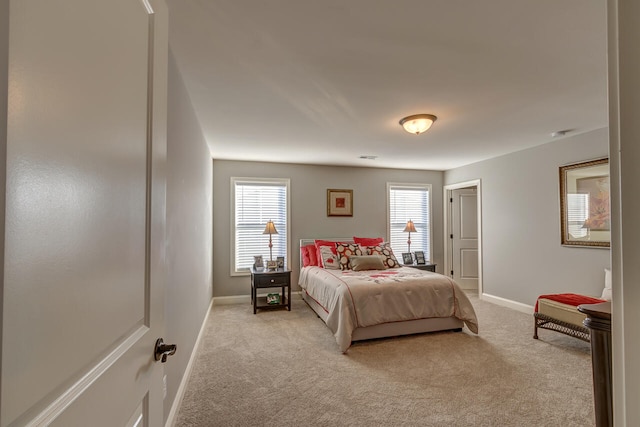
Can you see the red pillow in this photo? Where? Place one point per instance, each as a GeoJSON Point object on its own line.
{"type": "Point", "coordinates": [313, 255]}
{"type": "Point", "coordinates": [329, 243]}
{"type": "Point", "coordinates": [304, 251]}
{"type": "Point", "coordinates": [309, 257]}
{"type": "Point", "coordinates": [368, 241]}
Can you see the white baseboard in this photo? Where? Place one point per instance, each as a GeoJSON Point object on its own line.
{"type": "Point", "coordinates": [171, 418]}
{"type": "Point", "coordinates": [236, 299]}
{"type": "Point", "coordinates": [518, 306]}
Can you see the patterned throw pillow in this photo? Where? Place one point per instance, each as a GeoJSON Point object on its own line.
{"type": "Point", "coordinates": [329, 260]}
{"type": "Point", "coordinates": [321, 243]}
{"type": "Point", "coordinates": [384, 250]}
{"type": "Point", "coordinates": [344, 251]}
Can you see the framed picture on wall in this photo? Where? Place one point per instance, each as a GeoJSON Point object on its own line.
{"type": "Point", "coordinates": [339, 202]}
{"type": "Point", "coordinates": [585, 213]}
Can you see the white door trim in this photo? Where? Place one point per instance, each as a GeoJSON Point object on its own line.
{"type": "Point", "coordinates": [448, 249]}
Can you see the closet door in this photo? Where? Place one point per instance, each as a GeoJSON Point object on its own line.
{"type": "Point", "coordinates": [464, 228]}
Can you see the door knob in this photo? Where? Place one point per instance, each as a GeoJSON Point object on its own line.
{"type": "Point", "coordinates": [163, 350]}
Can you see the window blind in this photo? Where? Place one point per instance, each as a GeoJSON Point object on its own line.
{"type": "Point", "coordinates": [257, 202]}
{"type": "Point", "coordinates": [409, 203]}
{"type": "Point", "coordinates": [577, 214]}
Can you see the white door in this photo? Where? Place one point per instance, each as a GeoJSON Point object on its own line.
{"type": "Point", "coordinates": [84, 223]}
{"type": "Point", "coordinates": [464, 237]}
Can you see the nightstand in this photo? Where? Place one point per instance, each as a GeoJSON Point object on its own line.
{"type": "Point", "coordinates": [427, 267]}
{"type": "Point", "coordinates": [279, 278]}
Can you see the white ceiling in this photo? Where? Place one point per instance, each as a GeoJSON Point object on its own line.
{"type": "Point", "coordinates": [324, 82]}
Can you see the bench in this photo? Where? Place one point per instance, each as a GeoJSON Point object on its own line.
{"type": "Point", "coordinates": [559, 312]}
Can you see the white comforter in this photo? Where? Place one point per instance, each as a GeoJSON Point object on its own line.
{"type": "Point", "coordinates": [355, 299]}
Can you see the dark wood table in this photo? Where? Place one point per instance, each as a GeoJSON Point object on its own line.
{"type": "Point", "coordinates": [427, 267]}
{"type": "Point", "coordinates": [599, 323]}
{"type": "Point", "coordinates": [263, 278]}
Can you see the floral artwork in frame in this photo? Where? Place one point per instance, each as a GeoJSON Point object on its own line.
{"type": "Point", "coordinates": [597, 188]}
{"type": "Point", "coordinates": [585, 211]}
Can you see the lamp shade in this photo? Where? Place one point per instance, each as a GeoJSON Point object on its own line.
{"type": "Point", "coordinates": [270, 228]}
{"type": "Point", "coordinates": [411, 228]}
{"type": "Point", "coordinates": [418, 123]}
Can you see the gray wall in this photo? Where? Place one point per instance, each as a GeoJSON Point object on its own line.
{"type": "Point", "coordinates": [308, 209]}
{"type": "Point", "coordinates": [522, 255]}
{"type": "Point", "coordinates": [188, 245]}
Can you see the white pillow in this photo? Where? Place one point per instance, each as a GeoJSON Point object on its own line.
{"type": "Point", "coordinates": [606, 292]}
{"type": "Point", "coordinates": [329, 259]}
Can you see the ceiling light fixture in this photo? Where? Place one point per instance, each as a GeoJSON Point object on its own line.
{"type": "Point", "coordinates": [418, 123]}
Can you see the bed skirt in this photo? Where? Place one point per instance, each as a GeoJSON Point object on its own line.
{"type": "Point", "coordinates": [392, 329]}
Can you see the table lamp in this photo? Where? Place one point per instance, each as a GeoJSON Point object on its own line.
{"type": "Point", "coordinates": [271, 229]}
{"type": "Point", "coordinates": [410, 228]}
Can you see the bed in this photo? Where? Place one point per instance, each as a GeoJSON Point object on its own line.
{"type": "Point", "coordinates": [366, 304]}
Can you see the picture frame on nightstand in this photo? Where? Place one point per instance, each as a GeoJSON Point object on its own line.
{"type": "Point", "coordinates": [257, 261]}
{"type": "Point", "coordinates": [407, 258]}
{"type": "Point", "coordinates": [272, 265]}
{"type": "Point", "coordinates": [280, 261]}
{"type": "Point", "coordinates": [420, 260]}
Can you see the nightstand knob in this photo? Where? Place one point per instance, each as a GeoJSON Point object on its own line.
{"type": "Point", "coordinates": [272, 280]}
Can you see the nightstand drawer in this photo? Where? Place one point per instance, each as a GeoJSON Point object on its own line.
{"type": "Point", "coordinates": [266, 280]}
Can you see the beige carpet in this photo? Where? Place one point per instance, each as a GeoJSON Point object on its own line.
{"type": "Point", "coordinates": [284, 368]}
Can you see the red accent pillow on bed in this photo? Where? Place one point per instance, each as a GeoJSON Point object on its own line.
{"type": "Point", "coordinates": [368, 241]}
{"type": "Point", "coordinates": [309, 255]}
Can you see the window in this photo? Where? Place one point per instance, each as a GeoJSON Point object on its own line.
{"type": "Point", "coordinates": [254, 202]}
{"type": "Point", "coordinates": [409, 202]}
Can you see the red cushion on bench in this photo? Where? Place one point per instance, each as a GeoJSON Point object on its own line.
{"type": "Point", "coordinates": [570, 299]}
